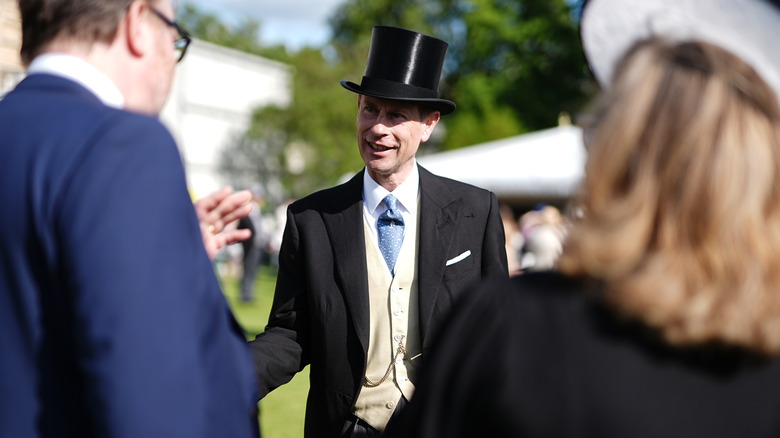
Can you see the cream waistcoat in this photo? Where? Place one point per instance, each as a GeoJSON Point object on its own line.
{"type": "Point", "coordinates": [393, 316]}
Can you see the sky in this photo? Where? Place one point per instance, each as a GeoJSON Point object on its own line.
{"type": "Point", "coordinates": [294, 23]}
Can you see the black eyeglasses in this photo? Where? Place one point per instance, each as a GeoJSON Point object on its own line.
{"type": "Point", "coordinates": [181, 43]}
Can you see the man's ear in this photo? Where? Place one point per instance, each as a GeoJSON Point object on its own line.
{"type": "Point", "coordinates": [429, 123]}
{"type": "Point", "coordinates": [133, 29]}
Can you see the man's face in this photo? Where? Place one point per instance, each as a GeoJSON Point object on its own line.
{"type": "Point", "coordinates": [389, 133]}
{"type": "Point", "coordinates": [162, 60]}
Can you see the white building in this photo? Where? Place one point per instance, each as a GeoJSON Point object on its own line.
{"type": "Point", "coordinates": [214, 94]}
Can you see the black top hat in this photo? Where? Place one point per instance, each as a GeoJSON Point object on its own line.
{"type": "Point", "coordinates": [404, 65]}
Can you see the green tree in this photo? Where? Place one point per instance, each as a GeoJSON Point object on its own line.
{"type": "Point", "coordinates": [318, 126]}
{"type": "Point", "coordinates": [308, 145]}
{"type": "Point", "coordinates": [254, 158]}
{"type": "Point", "coordinates": [512, 67]}
{"type": "Point", "coordinates": [530, 51]}
{"type": "Point", "coordinates": [244, 36]}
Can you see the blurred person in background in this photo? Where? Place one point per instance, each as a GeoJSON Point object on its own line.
{"type": "Point", "coordinates": [543, 232]}
{"type": "Point", "coordinates": [112, 320]}
{"type": "Point", "coordinates": [254, 249]}
{"type": "Point", "coordinates": [514, 239]}
{"type": "Point", "coordinates": [665, 317]}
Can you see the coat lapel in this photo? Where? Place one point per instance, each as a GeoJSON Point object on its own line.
{"type": "Point", "coordinates": [438, 219]}
{"type": "Point", "coordinates": [439, 209]}
{"type": "Point", "coordinates": [344, 224]}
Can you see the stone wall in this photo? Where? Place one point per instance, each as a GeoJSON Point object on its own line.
{"type": "Point", "coordinates": [11, 70]}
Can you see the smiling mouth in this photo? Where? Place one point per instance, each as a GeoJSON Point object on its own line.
{"type": "Point", "coordinates": [377, 148]}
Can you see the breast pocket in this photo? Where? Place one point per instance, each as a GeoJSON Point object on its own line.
{"type": "Point", "coordinates": [459, 265]}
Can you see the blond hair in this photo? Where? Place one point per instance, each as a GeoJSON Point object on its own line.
{"type": "Point", "coordinates": [681, 200]}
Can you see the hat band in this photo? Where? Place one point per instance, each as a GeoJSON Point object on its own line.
{"type": "Point", "coordinates": [395, 90]}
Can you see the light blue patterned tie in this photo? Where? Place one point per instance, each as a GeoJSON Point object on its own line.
{"type": "Point", "coordinates": [391, 232]}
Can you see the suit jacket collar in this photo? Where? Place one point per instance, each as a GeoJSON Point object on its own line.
{"type": "Point", "coordinates": [81, 72]}
{"type": "Point", "coordinates": [48, 83]}
{"type": "Point", "coordinates": [439, 209]}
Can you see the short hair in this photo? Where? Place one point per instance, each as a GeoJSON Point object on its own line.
{"type": "Point", "coordinates": [85, 21]}
{"type": "Point", "coordinates": [424, 111]}
{"type": "Point", "coordinates": [680, 219]}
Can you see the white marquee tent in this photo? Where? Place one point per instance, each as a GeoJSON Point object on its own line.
{"type": "Point", "coordinates": [543, 166]}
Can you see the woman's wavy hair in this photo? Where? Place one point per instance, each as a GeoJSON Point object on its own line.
{"type": "Point", "coordinates": [85, 21]}
{"type": "Point", "coordinates": [680, 208]}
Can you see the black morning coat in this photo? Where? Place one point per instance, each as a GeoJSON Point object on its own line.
{"type": "Point", "coordinates": [320, 314]}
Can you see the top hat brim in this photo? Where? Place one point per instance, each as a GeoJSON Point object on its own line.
{"type": "Point", "coordinates": [443, 106]}
{"type": "Point", "coordinates": [746, 28]}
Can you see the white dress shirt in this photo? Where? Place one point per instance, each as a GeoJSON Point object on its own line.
{"type": "Point", "coordinates": [81, 72]}
{"type": "Point", "coordinates": [406, 193]}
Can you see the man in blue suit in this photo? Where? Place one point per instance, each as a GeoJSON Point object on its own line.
{"type": "Point", "coordinates": [112, 322]}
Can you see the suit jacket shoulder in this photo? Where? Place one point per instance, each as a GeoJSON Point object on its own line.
{"type": "Point", "coordinates": [333, 199]}
{"type": "Point", "coordinates": [105, 276]}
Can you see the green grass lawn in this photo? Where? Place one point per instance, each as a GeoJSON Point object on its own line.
{"type": "Point", "coordinates": [282, 411]}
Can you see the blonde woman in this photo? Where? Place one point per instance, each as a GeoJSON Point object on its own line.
{"type": "Point", "coordinates": [664, 319]}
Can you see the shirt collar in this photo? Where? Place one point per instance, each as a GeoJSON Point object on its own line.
{"type": "Point", "coordinates": [81, 72]}
{"type": "Point", "coordinates": [406, 193]}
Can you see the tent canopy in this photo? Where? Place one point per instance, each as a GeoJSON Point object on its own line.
{"type": "Point", "coordinates": [545, 165]}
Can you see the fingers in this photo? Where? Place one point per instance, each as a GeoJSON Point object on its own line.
{"type": "Point", "coordinates": [223, 207]}
{"type": "Point", "coordinates": [209, 242]}
{"type": "Point", "coordinates": [233, 236]}
{"type": "Point", "coordinates": [208, 203]}
{"type": "Point", "coordinates": [215, 242]}
{"type": "Point", "coordinates": [235, 206]}
{"type": "Point", "coordinates": [229, 210]}
{"type": "Point", "coordinates": [219, 209]}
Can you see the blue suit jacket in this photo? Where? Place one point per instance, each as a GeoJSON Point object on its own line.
{"type": "Point", "coordinates": [112, 322]}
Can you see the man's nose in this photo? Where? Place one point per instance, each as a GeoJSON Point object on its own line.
{"type": "Point", "coordinates": [381, 126]}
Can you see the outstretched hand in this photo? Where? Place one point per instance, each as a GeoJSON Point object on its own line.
{"type": "Point", "coordinates": [218, 210]}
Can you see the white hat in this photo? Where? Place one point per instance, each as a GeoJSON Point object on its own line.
{"type": "Point", "coordinates": [749, 29]}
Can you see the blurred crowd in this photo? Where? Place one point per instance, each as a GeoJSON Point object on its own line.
{"type": "Point", "coordinates": [534, 240]}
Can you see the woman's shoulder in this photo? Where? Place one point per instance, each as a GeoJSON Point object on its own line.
{"type": "Point", "coordinates": [532, 302]}
{"type": "Point", "coordinates": [540, 287]}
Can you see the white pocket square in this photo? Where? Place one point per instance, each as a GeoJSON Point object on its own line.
{"type": "Point", "coordinates": [458, 258]}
